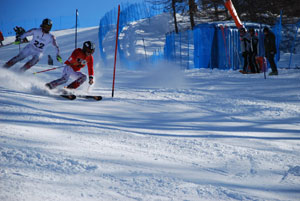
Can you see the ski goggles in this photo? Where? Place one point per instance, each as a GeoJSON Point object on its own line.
{"type": "Point", "coordinates": [90, 51]}
{"type": "Point", "coordinates": [47, 27]}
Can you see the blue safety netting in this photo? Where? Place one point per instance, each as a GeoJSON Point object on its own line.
{"type": "Point", "coordinates": [107, 23]}
{"type": "Point", "coordinates": [203, 40]}
{"type": "Point", "coordinates": [293, 41]}
{"type": "Point", "coordinates": [170, 49]}
{"type": "Point", "coordinates": [129, 13]}
{"type": "Point", "coordinates": [179, 48]}
{"type": "Point", "coordinates": [211, 45]}
{"type": "Point", "coordinates": [156, 57]}
{"type": "Point", "coordinates": [226, 48]}
{"type": "Point", "coordinates": [277, 29]}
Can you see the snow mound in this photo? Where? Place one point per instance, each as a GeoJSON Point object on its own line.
{"type": "Point", "coordinates": [35, 160]}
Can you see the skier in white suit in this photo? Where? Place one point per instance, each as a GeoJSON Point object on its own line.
{"type": "Point", "coordinates": [41, 38]}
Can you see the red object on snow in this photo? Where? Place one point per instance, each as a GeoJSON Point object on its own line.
{"type": "Point", "coordinates": [1, 36]}
{"type": "Point", "coordinates": [262, 63]}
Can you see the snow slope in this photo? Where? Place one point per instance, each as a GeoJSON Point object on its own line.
{"type": "Point", "coordinates": [167, 135]}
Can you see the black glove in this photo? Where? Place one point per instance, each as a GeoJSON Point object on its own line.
{"type": "Point", "coordinates": [91, 80]}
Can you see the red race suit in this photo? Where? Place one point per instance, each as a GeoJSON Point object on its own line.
{"type": "Point", "coordinates": [79, 59]}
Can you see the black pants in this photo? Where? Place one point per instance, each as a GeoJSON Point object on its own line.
{"type": "Point", "coordinates": [270, 58]}
{"type": "Point", "coordinates": [246, 61]}
{"type": "Point", "coordinates": [252, 62]}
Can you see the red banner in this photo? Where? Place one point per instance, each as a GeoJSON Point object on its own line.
{"type": "Point", "coordinates": [233, 13]}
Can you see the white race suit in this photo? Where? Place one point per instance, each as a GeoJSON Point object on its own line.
{"type": "Point", "coordinates": [35, 48]}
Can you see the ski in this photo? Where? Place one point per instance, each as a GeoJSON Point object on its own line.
{"type": "Point", "coordinates": [73, 97]}
{"type": "Point", "coordinates": [97, 98]}
{"type": "Point", "coordinates": [69, 96]}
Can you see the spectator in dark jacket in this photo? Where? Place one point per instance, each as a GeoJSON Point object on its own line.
{"type": "Point", "coordinates": [254, 44]}
{"type": "Point", "coordinates": [270, 49]}
{"type": "Point", "coordinates": [245, 48]}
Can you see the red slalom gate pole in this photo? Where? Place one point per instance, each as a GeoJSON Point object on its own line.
{"type": "Point", "coordinates": [116, 50]}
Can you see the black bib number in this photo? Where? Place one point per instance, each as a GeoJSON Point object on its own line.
{"type": "Point", "coordinates": [38, 44]}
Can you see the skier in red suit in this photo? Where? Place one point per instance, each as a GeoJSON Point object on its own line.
{"type": "Point", "coordinates": [79, 58]}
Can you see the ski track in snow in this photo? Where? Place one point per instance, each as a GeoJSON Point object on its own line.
{"type": "Point", "coordinates": [167, 135]}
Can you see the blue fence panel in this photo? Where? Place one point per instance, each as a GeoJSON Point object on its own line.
{"type": "Point", "coordinates": [234, 49]}
{"type": "Point", "coordinates": [169, 49]}
{"type": "Point", "coordinates": [203, 41]}
{"type": "Point", "coordinates": [226, 48]}
{"type": "Point", "coordinates": [221, 50]}
{"type": "Point", "coordinates": [293, 43]}
{"type": "Point", "coordinates": [214, 46]}
{"type": "Point", "coordinates": [209, 47]}
{"type": "Point", "coordinates": [129, 13]}
{"type": "Point", "coordinates": [233, 59]}
{"type": "Point", "coordinates": [107, 23]}
{"type": "Point", "coordinates": [277, 31]}
{"type": "Point", "coordinates": [179, 48]}
{"type": "Point", "coordinates": [157, 57]}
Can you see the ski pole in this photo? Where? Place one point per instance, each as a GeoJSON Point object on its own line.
{"type": "Point", "coordinates": [47, 70]}
{"type": "Point", "coordinates": [265, 66]}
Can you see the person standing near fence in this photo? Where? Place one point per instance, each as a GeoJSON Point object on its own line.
{"type": "Point", "coordinates": [254, 49]}
{"type": "Point", "coordinates": [41, 38]}
{"type": "Point", "coordinates": [270, 49]}
{"type": "Point", "coordinates": [245, 48]}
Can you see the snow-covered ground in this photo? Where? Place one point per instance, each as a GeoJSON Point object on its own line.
{"type": "Point", "coordinates": [167, 134]}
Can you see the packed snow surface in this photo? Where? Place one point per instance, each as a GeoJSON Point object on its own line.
{"type": "Point", "coordinates": [168, 134]}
